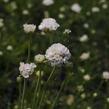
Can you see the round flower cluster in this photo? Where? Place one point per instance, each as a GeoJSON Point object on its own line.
{"type": "Point", "coordinates": [48, 2]}
{"type": "Point", "coordinates": [26, 69]}
{"type": "Point", "coordinates": [57, 54]}
{"type": "Point", "coordinates": [29, 28]}
{"type": "Point", "coordinates": [48, 24]}
{"type": "Point", "coordinates": [106, 75]}
{"type": "Point", "coordinates": [76, 8]}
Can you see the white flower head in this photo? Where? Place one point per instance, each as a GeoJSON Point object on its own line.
{"type": "Point", "coordinates": [48, 2]}
{"type": "Point", "coordinates": [1, 53]}
{"type": "Point", "coordinates": [85, 56]}
{"type": "Point", "coordinates": [86, 25]}
{"type": "Point", "coordinates": [48, 24]}
{"type": "Point", "coordinates": [9, 47]}
{"type": "Point", "coordinates": [25, 12]}
{"type": "Point", "coordinates": [86, 77]}
{"type": "Point", "coordinates": [26, 69]}
{"type": "Point", "coordinates": [67, 31]}
{"type": "Point", "coordinates": [57, 54]}
{"type": "Point", "coordinates": [95, 9]}
{"type": "Point", "coordinates": [106, 75]}
{"type": "Point", "coordinates": [1, 22]}
{"type": "Point", "coordinates": [76, 8]}
{"type": "Point", "coordinates": [39, 58]}
{"type": "Point", "coordinates": [29, 28]}
{"type": "Point", "coordinates": [83, 38]}
{"type": "Point", "coordinates": [105, 6]}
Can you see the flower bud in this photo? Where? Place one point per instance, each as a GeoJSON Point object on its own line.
{"type": "Point", "coordinates": [39, 58]}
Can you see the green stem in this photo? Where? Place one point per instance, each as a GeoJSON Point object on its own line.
{"type": "Point", "coordinates": [35, 92]}
{"type": "Point", "coordinates": [29, 49]}
{"type": "Point", "coordinates": [58, 94]}
{"type": "Point", "coordinates": [19, 94]}
{"type": "Point", "coordinates": [44, 90]}
{"type": "Point", "coordinates": [23, 94]}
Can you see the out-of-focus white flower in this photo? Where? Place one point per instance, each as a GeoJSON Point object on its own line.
{"type": "Point", "coordinates": [102, 1]}
{"type": "Point", "coordinates": [105, 6]}
{"type": "Point", "coordinates": [88, 107]}
{"type": "Point", "coordinates": [39, 58]}
{"type": "Point", "coordinates": [62, 9]}
{"type": "Point", "coordinates": [86, 77]}
{"type": "Point", "coordinates": [26, 69]}
{"type": "Point", "coordinates": [107, 99]}
{"type": "Point", "coordinates": [13, 5]}
{"type": "Point", "coordinates": [93, 31]}
{"type": "Point", "coordinates": [6, 1]}
{"type": "Point", "coordinates": [85, 56]}
{"type": "Point", "coordinates": [29, 5]}
{"type": "Point", "coordinates": [84, 38]}
{"type": "Point", "coordinates": [57, 54]}
{"type": "Point", "coordinates": [29, 28]}
{"type": "Point", "coordinates": [95, 94]}
{"type": "Point", "coordinates": [1, 53]}
{"type": "Point", "coordinates": [67, 31]}
{"type": "Point", "coordinates": [48, 24]}
{"type": "Point", "coordinates": [1, 22]}
{"type": "Point", "coordinates": [48, 2]}
{"type": "Point", "coordinates": [95, 9]}
{"type": "Point", "coordinates": [86, 25]}
{"type": "Point", "coordinates": [83, 95]}
{"type": "Point", "coordinates": [61, 16]}
{"type": "Point", "coordinates": [70, 100]}
{"type": "Point", "coordinates": [80, 88]}
{"type": "Point", "coordinates": [25, 12]}
{"type": "Point", "coordinates": [9, 47]}
{"type": "Point", "coordinates": [106, 75]}
{"type": "Point", "coordinates": [76, 8]}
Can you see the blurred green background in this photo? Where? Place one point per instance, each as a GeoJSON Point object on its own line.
{"type": "Point", "coordinates": [13, 49]}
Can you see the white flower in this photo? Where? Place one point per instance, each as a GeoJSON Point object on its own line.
{"type": "Point", "coordinates": [86, 25]}
{"type": "Point", "coordinates": [95, 9]}
{"type": "Point", "coordinates": [61, 16]}
{"type": "Point", "coordinates": [86, 77]}
{"type": "Point", "coordinates": [25, 12]}
{"type": "Point", "coordinates": [26, 69]}
{"type": "Point", "coordinates": [1, 53]}
{"type": "Point", "coordinates": [85, 56]}
{"type": "Point", "coordinates": [105, 75]}
{"type": "Point", "coordinates": [1, 22]}
{"type": "Point", "coordinates": [67, 31]}
{"type": "Point", "coordinates": [48, 24]}
{"type": "Point", "coordinates": [13, 5]}
{"type": "Point", "coordinates": [48, 2]}
{"type": "Point", "coordinates": [39, 58]}
{"type": "Point", "coordinates": [102, 1]}
{"type": "Point", "coordinates": [57, 54]}
{"type": "Point", "coordinates": [9, 47]}
{"type": "Point", "coordinates": [84, 38]}
{"type": "Point", "coordinates": [76, 8]}
{"type": "Point", "coordinates": [70, 100]}
{"type": "Point", "coordinates": [6, 1]}
{"type": "Point", "coordinates": [29, 28]}
{"type": "Point", "coordinates": [105, 6]}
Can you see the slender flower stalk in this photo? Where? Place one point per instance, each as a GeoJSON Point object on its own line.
{"type": "Point", "coordinates": [36, 91]}
{"type": "Point", "coordinates": [23, 94]}
{"type": "Point", "coordinates": [29, 49]}
{"type": "Point", "coordinates": [44, 89]}
{"type": "Point", "coordinates": [58, 94]}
